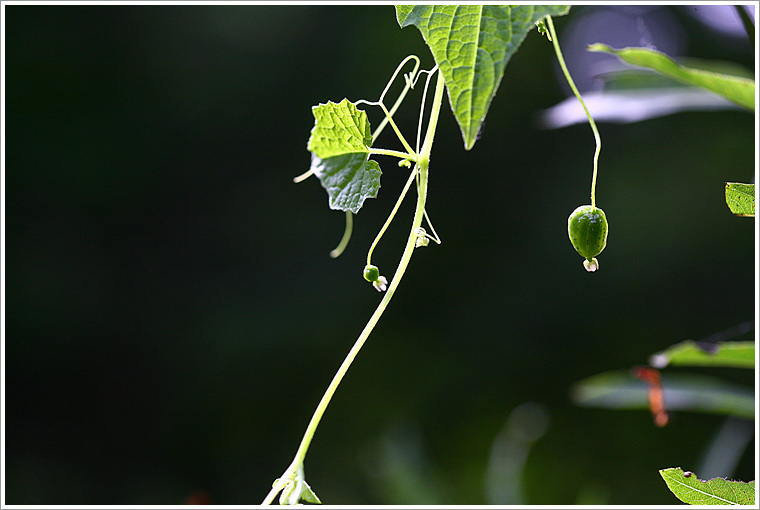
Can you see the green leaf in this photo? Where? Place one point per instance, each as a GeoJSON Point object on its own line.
{"type": "Point", "coordinates": [736, 89]}
{"type": "Point", "coordinates": [682, 392]}
{"type": "Point", "coordinates": [348, 180]}
{"type": "Point", "coordinates": [471, 45]}
{"type": "Point", "coordinates": [308, 496]}
{"type": "Point", "coordinates": [717, 491]}
{"type": "Point", "coordinates": [723, 354]}
{"type": "Point", "coordinates": [340, 142]}
{"type": "Point", "coordinates": [288, 496]}
{"type": "Point", "coordinates": [740, 198]}
{"type": "Point", "coordinates": [339, 128]}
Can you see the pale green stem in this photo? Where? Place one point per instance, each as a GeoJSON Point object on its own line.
{"type": "Point", "coordinates": [346, 236]}
{"type": "Point", "coordinates": [405, 258]}
{"type": "Point", "coordinates": [432, 229]}
{"type": "Point", "coordinates": [555, 42]}
{"type": "Point", "coordinates": [392, 214]}
{"type": "Point", "coordinates": [303, 176]}
{"type": "Point", "coordinates": [422, 106]}
{"type": "Point", "coordinates": [413, 175]}
{"type": "Point", "coordinates": [395, 154]}
{"type": "Point", "coordinates": [408, 85]}
{"type": "Point", "coordinates": [396, 129]}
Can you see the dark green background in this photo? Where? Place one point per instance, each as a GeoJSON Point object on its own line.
{"type": "Point", "coordinates": [173, 316]}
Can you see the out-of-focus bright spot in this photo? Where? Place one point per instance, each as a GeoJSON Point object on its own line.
{"type": "Point", "coordinates": [722, 18]}
{"type": "Point", "coordinates": [525, 425]}
{"type": "Point", "coordinates": [631, 106]}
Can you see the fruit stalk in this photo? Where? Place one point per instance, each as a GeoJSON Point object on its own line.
{"type": "Point", "coordinates": [591, 122]}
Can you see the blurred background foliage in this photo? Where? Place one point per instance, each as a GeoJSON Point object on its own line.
{"type": "Point", "coordinates": [173, 316]}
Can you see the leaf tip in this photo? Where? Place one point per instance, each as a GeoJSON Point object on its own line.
{"type": "Point", "coordinates": [598, 47]}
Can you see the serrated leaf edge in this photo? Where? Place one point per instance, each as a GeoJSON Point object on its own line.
{"type": "Point", "coordinates": [730, 186]}
{"type": "Point", "coordinates": [667, 475]}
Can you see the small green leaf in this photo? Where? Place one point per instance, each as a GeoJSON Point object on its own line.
{"type": "Point", "coordinates": [339, 143]}
{"type": "Point", "coordinates": [471, 45]}
{"type": "Point", "coordinates": [736, 89]}
{"type": "Point", "coordinates": [740, 198]}
{"type": "Point", "coordinates": [348, 179]}
{"type": "Point", "coordinates": [723, 354]}
{"type": "Point", "coordinates": [308, 496]}
{"type": "Point", "coordinates": [339, 128]}
{"type": "Point", "coordinates": [717, 491]}
{"type": "Point", "coordinates": [288, 495]}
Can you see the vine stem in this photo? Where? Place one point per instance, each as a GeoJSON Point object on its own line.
{"type": "Point", "coordinates": [423, 164]}
{"type": "Point", "coordinates": [397, 154]}
{"type": "Point", "coordinates": [346, 236]}
{"type": "Point", "coordinates": [387, 223]}
{"type": "Point", "coordinates": [555, 42]}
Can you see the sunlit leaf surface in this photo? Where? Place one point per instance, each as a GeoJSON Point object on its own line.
{"type": "Point", "coordinates": [471, 45]}
{"type": "Point", "coordinates": [740, 198]}
{"type": "Point", "coordinates": [339, 143]}
{"type": "Point", "coordinates": [688, 488]}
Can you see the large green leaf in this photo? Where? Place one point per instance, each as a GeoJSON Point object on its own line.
{"type": "Point", "coordinates": [718, 491]}
{"type": "Point", "coordinates": [740, 198]}
{"type": "Point", "coordinates": [723, 354]}
{"type": "Point", "coordinates": [471, 45]}
{"type": "Point", "coordinates": [339, 143]}
{"type": "Point", "coordinates": [734, 88]}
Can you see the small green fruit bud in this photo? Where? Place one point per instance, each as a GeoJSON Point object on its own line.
{"type": "Point", "coordinates": [587, 228]}
{"type": "Point", "coordinates": [371, 273]}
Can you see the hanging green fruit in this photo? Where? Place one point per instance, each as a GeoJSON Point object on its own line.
{"type": "Point", "coordinates": [587, 228]}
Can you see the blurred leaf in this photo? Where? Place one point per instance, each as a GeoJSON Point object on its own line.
{"type": "Point", "coordinates": [718, 491]}
{"type": "Point", "coordinates": [691, 353]}
{"type": "Point", "coordinates": [471, 45]}
{"type": "Point", "coordinates": [339, 143]}
{"type": "Point", "coordinates": [634, 104]}
{"type": "Point", "coordinates": [717, 66]}
{"type": "Point", "coordinates": [699, 393]}
{"type": "Point", "coordinates": [741, 198]}
{"type": "Point", "coordinates": [634, 78]}
{"type": "Point", "coordinates": [626, 77]}
{"type": "Point", "coordinates": [635, 94]}
{"type": "Point", "coordinates": [736, 89]}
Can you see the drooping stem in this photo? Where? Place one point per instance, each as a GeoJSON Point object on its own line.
{"type": "Point", "coordinates": [346, 236]}
{"type": "Point", "coordinates": [419, 213]}
{"type": "Point", "coordinates": [555, 42]}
